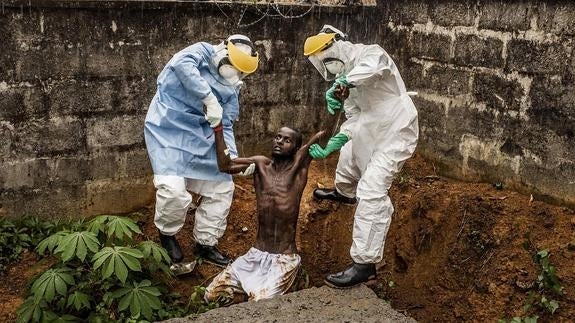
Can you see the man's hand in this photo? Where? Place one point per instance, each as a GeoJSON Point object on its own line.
{"type": "Point", "coordinates": [214, 110]}
{"type": "Point", "coordinates": [337, 94]}
{"type": "Point", "coordinates": [334, 144]}
{"type": "Point", "coordinates": [248, 171]}
{"type": "Point", "coordinates": [341, 93]}
{"type": "Point", "coordinates": [333, 102]}
{"type": "Point", "coordinates": [316, 152]}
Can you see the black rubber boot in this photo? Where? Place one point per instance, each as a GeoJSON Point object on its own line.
{"type": "Point", "coordinates": [353, 275]}
{"type": "Point", "coordinates": [332, 194]}
{"type": "Point", "coordinates": [172, 247]}
{"type": "Point", "coordinates": [212, 255]}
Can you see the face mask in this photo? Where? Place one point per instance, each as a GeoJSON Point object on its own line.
{"type": "Point", "coordinates": [333, 65]}
{"type": "Point", "coordinates": [230, 74]}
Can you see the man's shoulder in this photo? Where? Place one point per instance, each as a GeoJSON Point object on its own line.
{"type": "Point", "coordinates": [262, 159]}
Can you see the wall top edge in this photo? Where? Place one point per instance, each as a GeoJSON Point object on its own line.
{"type": "Point", "coordinates": [296, 8]}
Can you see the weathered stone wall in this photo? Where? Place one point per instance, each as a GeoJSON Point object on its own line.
{"type": "Point", "coordinates": [495, 82]}
{"type": "Point", "coordinates": [76, 78]}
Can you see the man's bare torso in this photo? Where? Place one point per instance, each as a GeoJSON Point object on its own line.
{"type": "Point", "coordinates": [279, 187]}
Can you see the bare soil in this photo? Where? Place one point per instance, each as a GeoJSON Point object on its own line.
{"type": "Point", "coordinates": [455, 251]}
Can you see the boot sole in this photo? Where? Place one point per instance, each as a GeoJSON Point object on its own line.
{"type": "Point", "coordinates": [337, 201]}
{"type": "Point", "coordinates": [370, 282]}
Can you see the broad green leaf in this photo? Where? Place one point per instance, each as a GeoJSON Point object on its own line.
{"type": "Point", "coordinates": [132, 263]}
{"type": "Point", "coordinates": [135, 304]}
{"type": "Point", "coordinates": [75, 244]}
{"type": "Point", "coordinates": [531, 319]}
{"type": "Point", "coordinates": [145, 306]}
{"type": "Point", "coordinates": [125, 302]}
{"type": "Point", "coordinates": [96, 225]}
{"type": "Point", "coordinates": [29, 309]}
{"type": "Point", "coordinates": [101, 256]}
{"type": "Point", "coordinates": [140, 299]}
{"type": "Point", "coordinates": [50, 243]}
{"type": "Point", "coordinates": [109, 267]}
{"type": "Point", "coordinates": [121, 292]}
{"type": "Point", "coordinates": [66, 319]}
{"type": "Point", "coordinates": [152, 250]}
{"type": "Point", "coordinates": [121, 271]}
{"type": "Point", "coordinates": [49, 316]}
{"type": "Point", "coordinates": [117, 261]}
{"type": "Point", "coordinates": [145, 283]}
{"type": "Point", "coordinates": [51, 282]}
{"type": "Point", "coordinates": [79, 300]}
{"type": "Point", "coordinates": [60, 285]}
{"type": "Point", "coordinates": [121, 227]}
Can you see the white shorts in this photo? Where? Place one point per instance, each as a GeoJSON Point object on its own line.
{"type": "Point", "coordinates": [258, 274]}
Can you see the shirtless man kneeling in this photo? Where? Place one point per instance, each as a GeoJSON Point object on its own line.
{"type": "Point", "coordinates": [270, 267]}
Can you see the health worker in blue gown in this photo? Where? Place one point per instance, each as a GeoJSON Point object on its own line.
{"type": "Point", "coordinates": [197, 93]}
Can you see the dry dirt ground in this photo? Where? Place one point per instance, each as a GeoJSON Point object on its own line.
{"type": "Point", "coordinates": [455, 251]}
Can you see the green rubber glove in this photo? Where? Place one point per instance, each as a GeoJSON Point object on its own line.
{"type": "Point", "coordinates": [333, 103]}
{"type": "Point", "coordinates": [334, 144]}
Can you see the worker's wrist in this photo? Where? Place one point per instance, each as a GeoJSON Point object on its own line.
{"type": "Point", "coordinates": [219, 127]}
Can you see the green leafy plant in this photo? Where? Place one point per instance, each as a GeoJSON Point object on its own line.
{"type": "Point", "coordinates": [102, 274]}
{"type": "Point", "coordinates": [547, 283]}
{"type": "Point", "coordinates": [140, 298]}
{"type": "Point", "coordinates": [51, 283]}
{"type": "Point", "coordinates": [17, 235]}
{"type": "Point", "coordinates": [76, 245]}
{"type": "Point", "coordinates": [117, 261]}
{"type": "Point", "coordinates": [517, 319]}
{"type": "Point", "coordinates": [547, 279]}
{"type": "Point", "coordinates": [197, 303]}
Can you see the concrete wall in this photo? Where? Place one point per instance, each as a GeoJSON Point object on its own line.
{"type": "Point", "coordinates": [76, 79]}
{"type": "Point", "coordinates": [496, 82]}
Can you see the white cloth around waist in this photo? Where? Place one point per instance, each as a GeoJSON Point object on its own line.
{"type": "Point", "coordinates": [259, 274]}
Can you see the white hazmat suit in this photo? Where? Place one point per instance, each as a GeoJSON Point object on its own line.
{"type": "Point", "coordinates": [382, 129]}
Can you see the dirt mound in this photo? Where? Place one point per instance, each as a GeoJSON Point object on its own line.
{"type": "Point", "coordinates": [464, 251]}
{"type": "Point", "coordinates": [311, 305]}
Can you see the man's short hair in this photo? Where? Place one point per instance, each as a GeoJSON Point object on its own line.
{"type": "Point", "coordinates": [297, 137]}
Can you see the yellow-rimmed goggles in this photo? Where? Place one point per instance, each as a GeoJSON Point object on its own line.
{"type": "Point", "coordinates": [317, 43]}
{"type": "Point", "coordinates": [245, 62]}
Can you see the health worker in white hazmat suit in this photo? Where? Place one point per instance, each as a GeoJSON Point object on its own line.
{"type": "Point", "coordinates": [380, 133]}
{"type": "Point", "coordinates": [197, 91]}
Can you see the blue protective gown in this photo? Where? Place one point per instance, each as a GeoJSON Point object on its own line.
{"type": "Point", "coordinates": [178, 138]}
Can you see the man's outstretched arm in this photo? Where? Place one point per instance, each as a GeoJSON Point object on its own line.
{"type": "Point", "coordinates": [305, 148]}
{"type": "Point", "coordinates": [225, 163]}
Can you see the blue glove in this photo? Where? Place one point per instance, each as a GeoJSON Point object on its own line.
{"type": "Point", "coordinates": [334, 144]}
{"type": "Point", "coordinates": [335, 95]}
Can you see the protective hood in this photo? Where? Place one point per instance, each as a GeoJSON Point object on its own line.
{"type": "Point", "coordinates": [329, 52]}
{"type": "Point", "coordinates": [335, 60]}
{"type": "Point", "coordinates": [235, 58]}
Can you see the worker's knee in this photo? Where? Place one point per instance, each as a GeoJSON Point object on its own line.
{"type": "Point", "coordinates": [171, 193]}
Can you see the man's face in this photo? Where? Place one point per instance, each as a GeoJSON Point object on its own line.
{"type": "Point", "coordinates": [284, 143]}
